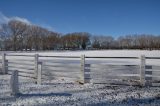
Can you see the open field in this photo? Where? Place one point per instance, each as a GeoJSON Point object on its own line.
{"type": "Point", "coordinates": [100, 53]}
{"type": "Point", "coordinates": [61, 91]}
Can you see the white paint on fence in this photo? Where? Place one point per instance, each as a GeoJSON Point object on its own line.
{"type": "Point", "coordinates": [39, 78]}
{"type": "Point", "coordinates": [14, 83]}
{"type": "Point", "coordinates": [36, 67]}
{"type": "Point", "coordinates": [142, 70]}
{"type": "Point", "coordinates": [82, 79]}
{"type": "Point", "coordinates": [4, 71]}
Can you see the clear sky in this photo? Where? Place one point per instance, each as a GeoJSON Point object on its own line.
{"type": "Point", "coordinates": [103, 17]}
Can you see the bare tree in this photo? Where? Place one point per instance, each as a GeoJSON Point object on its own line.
{"type": "Point", "coordinates": [17, 35]}
{"type": "Point", "coordinates": [5, 34]}
{"type": "Point", "coordinates": [18, 29]}
{"type": "Point", "coordinates": [75, 40]}
{"type": "Point", "coordinates": [102, 42]}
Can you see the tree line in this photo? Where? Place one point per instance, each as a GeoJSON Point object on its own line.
{"type": "Point", "coordinates": [20, 36]}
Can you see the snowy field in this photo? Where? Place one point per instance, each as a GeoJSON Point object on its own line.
{"type": "Point", "coordinates": [100, 53]}
{"type": "Point", "coordinates": [66, 92]}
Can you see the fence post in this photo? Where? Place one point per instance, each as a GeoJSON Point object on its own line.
{"type": "Point", "coordinates": [14, 83]}
{"type": "Point", "coordinates": [36, 67]}
{"type": "Point", "coordinates": [142, 70]}
{"type": "Point", "coordinates": [4, 68]}
{"type": "Point", "coordinates": [87, 75]}
{"type": "Point", "coordinates": [82, 78]}
{"type": "Point", "coordinates": [39, 78]}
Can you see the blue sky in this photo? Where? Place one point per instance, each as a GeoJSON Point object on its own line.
{"type": "Point", "coordinates": [102, 17]}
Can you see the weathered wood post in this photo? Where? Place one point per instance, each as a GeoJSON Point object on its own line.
{"type": "Point", "coordinates": [142, 70]}
{"type": "Point", "coordinates": [82, 77]}
{"type": "Point", "coordinates": [4, 64]}
{"type": "Point", "coordinates": [36, 67]}
{"type": "Point", "coordinates": [39, 78]}
{"type": "Point", "coordinates": [14, 83]}
{"type": "Point", "coordinates": [87, 73]}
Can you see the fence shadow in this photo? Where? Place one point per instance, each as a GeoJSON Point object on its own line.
{"type": "Point", "coordinates": [43, 94]}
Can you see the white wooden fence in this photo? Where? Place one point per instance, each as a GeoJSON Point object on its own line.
{"type": "Point", "coordinates": [82, 69]}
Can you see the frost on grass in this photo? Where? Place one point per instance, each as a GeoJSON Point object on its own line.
{"type": "Point", "coordinates": [63, 94]}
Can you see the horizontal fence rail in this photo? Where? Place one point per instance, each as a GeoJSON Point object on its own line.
{"type": "Point", "coordinates": [83, 69]}
{"type": "Point", "coordinates": [116, 57]}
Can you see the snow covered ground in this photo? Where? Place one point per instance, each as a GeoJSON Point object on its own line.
{"type": "Point", "coordinates": [53, 93]}
{"type": "Point", "coordinates": [65, 92]}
